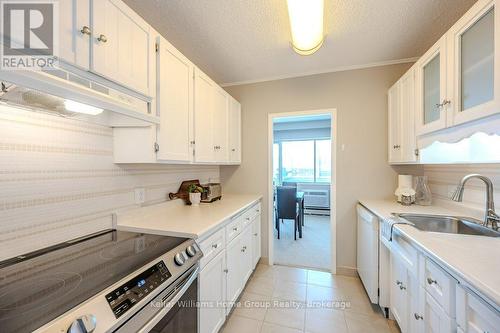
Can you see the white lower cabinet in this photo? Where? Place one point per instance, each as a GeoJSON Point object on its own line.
{"type": "Point", "coordinates": [229, 258]}
{"type": "Point", "coordinates": [474, 315]}
{"type": "Point", "coordinates": [412, 306]}
{"type": "Point", "coordinates": [234, 274]}
{"type": "Point", "coordinates": [433, 317]}
{"type": "Point", "coordinates": [256, 251]}
{"type": "Point", "coordinates": [425, 298]}
{"type": "Point", "coordinates": [212, 286]}
{"type": "Point", "coordinates": [246, 254]}
{"type": "Point", "coordinates": [399, 292]}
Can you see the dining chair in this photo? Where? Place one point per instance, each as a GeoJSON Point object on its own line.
{"type": "Point", "coordinates": [290, 184]}
{"type": "Point", "coordinates": [286, 200]}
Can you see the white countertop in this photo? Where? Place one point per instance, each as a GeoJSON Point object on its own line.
{"type": "Point", "coordinates": [174, 218]}
{"type": "Point", "coordinates": [473, 260]}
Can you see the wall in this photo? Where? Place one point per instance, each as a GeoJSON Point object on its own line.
{"type": "Point", "coordinates": [360, 97]}
{"type": "Point", "coordinates": [58, 180]}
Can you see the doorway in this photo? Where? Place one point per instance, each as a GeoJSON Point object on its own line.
{"type": "Point", "coordinates": [302, 159]}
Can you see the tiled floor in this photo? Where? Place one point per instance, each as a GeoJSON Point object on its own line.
{"type": "Point", "coordinates": [307, 251]}
{"type": "Point", "coordinates": [280, 299]}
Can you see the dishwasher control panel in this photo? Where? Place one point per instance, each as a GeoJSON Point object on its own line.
{"type": "Point", "coordinates": [127, 295]}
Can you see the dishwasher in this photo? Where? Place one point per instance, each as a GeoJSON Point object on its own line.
{"type": "Point", "coordinates": [373, 259]}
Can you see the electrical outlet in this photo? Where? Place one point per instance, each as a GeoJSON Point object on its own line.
{"type": "Point", "coordinates": [140, 195]}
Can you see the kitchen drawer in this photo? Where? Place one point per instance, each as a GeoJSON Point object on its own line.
{"type": "Point", "coordinates": [407, 253]}
{"type": "Point", "coordinates": [212, 246]}
{"type": "Point", "coordinates": [441, 286]}
{"type": "Point", "coordinates": [474, 314]}
{"type": "Point", "coordinates": [250, 214]}
{"type": "Point", "coordinates": [234, 228]}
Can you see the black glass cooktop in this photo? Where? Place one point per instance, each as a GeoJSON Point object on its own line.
{"type": "Point", "coordinates": [38, 287]}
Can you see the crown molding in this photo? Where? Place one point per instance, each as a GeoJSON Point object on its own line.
{"type": "Point", "coordinates": [331, 70]}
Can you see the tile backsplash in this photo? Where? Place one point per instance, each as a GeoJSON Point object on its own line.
{"type": "Point", "coordinates": [443, 180]}
{"type": "Point", "coordinates": [58, 180]}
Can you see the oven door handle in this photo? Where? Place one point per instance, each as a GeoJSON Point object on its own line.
{"type": "Point", "coordinates": [174, 298]}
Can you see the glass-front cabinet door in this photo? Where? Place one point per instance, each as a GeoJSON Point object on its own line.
{"type": "Point", "coordinates": [473, 59]}
{"type": "Point", "coordinates": [430, 92]}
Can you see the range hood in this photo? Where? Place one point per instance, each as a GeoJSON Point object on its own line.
{"type": "Point", "coordinates": [67, 94]}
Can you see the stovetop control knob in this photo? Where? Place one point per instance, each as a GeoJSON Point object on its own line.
{"type": "Point", "coordinates": [83, 324]}
{"type": "Point", "coordinates": [191, 251]}
{"type": "Point", "coordinates": [179, 259]}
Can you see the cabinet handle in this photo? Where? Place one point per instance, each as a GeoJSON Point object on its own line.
{"type": "Point", "coordinates": [444, 103]}
{"type": "Point", "coordinates": [418, 317]}
{"type": "Point", "coordinates": [102, 38]}
{"type": "Point", "coordinates": [233, 149]}
{"type": "Point", "coordinates": [398, 283]}
{"type": "Point", "coordinates": [431, 281]}
{"type": "Point", "coordinates": [244, 249]}
{"type": "Point", "coordinates": [226, 270]}
{"type": "Point", "coordinates": [248, 219]}
{"type": "Point", "coordinates": [85, 30]}
{"type": "Point", "coordinates": [235, 229]}
{"type": "Point", "coordinates": [401, 287]}
{"type": "Point", "coordinates": [396, 146]}
{"type": "Point", "coordinates": [256, 234]}
{"type": "Point", "coordinates": [215, 246]}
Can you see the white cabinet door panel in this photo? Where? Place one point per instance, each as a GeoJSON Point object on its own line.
{"type": "Point", "coordinates": [220, 125]}
{"type": "Point", "coordinates": [122, 45]}
{"type": "Point", "coordinates": [256, 235]}
{"type": "Point", "coordinates": [212, 283]}
{"type": "Point", "coordinates": [203, 114]}
{"type": "Point", "coordinates": [399, 297]}
{"type": "Point", "coordinates": [234, 282]}
{"type": "Point", "coordinates": [174, 103]}
{"type": "Point", "coordinates": [234, 131]}
{"type": "Point", "coordinates": [394, 124]}
{"type": "Point", "coordinates": [431, 100]}
{"type": "Point", "coordinates": [75, 32]}
{"type": "Point", "coordinates": [474, 73]}
{"type": "Point", "coordinates": [246, 254]}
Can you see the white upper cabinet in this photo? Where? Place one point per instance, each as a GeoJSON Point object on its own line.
{"type": "Point", "coordinates": [431, 103]}
{"type": "Point", "coordinates": [204, 93]}
{"type": "Point", "coordinates": [409, 151]}
{"type": "Point", "coordinates": [234, 131]}
{"type": "Point", "coordinates": [220, 124]}
{"type": "Point", "coordinates": [122, 45]}
{"type": "Point", "coordinates": [402, 141]}
{"type": "Point", "coordinates": [394, 124]}
{"type": "Point", "coordinates": [213, 121]}
{"type": "Point", "coordinates": [474, 73]}
{"type": "Point", "coordinates": [174, 103]}
{"type": "Point", "coordinates": [75, 32]}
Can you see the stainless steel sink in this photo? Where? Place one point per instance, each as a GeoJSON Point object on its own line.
{"type": "Point", "coordinates": [449, 224]}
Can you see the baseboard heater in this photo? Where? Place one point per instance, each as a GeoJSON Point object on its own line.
{"type": "Point", "coordinates": [317, 199]}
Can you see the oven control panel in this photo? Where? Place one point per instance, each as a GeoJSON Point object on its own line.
{"type": "Point", "coordinates": [127, 295]}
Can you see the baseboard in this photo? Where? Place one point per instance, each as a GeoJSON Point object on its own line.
{"type": "Point", "coordinates": [263, 261]}
{"type": "Point", "coordinates": [347, 271]}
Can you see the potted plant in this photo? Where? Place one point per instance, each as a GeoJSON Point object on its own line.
{"type": "Point", "coordinates": [195, 192]}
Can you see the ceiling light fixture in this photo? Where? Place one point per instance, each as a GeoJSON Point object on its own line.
{"type": "Point", "coordinates": [78, 107]}
{"type": "Point", "coordinates": [306, 22]}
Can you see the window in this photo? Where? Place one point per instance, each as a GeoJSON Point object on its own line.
{"type": "Point", "coordinates": [323, 161]}
{"type": "Point", "coordinates": [304, 161]}
{"type": "Point", "coordinates": [298, 161]}
{"type": "Point", "coordinates": [276, 163]}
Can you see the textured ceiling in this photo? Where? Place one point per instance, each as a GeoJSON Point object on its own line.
{"type": "Point", "coordinates": [248, 40]}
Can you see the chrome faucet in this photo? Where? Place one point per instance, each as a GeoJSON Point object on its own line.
{"type": "Point", "coordinates": [490, 215]}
